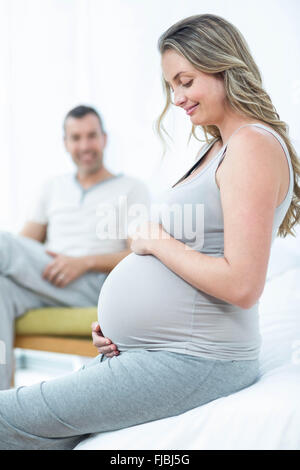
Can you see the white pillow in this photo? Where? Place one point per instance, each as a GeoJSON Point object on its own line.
{"type": "Point", "coordinates": [285, 254]}
{"type": "Point", "coordinates": [279, 310]}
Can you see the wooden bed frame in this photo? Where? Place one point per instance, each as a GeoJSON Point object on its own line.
{"type": "Point", "coordinates": [79, 346]}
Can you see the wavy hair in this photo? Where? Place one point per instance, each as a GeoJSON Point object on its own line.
{"type": "Point", "coordinates": [213, 45]}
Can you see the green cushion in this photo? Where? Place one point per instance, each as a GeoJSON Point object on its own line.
{"type": "Point", "coordinates": [72, 321]}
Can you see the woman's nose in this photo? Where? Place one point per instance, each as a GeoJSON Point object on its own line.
{"type": "Point", "coordinates": [179, 98]}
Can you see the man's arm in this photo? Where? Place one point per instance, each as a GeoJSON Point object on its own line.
{"type": "Point", "coordinates": [35, 231]}
{"type": "Point", "coordinates": [138, 195]}
{"type": "Point", "coordinates": [107, 261]}
{"type": "Point", "coordinates": [65, 269]}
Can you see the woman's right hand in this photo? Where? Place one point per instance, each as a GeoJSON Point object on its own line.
{"type": "Point", "coordinates": [104, 345]}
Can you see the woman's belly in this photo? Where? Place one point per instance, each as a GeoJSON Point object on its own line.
{"type": "Point", "coordinates": [143, 304]}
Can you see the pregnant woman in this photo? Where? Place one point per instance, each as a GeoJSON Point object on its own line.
{"type": "Point", "coordinates": [178, 318]}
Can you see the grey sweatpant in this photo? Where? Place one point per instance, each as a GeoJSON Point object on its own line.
{"type": "Point", "coordinates": [135, 387]}
{"type": "Point", "coordinates": [22, 261]}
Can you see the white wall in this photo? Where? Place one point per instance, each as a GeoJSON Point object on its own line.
{"type": "Point", "coordinates": [56, 54]}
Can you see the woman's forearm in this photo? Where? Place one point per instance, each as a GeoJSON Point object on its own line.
{"type": "Point", "coordinates": [213, 276]}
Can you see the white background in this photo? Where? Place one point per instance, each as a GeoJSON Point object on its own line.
{"type": "Point", "coordinates": [56, 54]}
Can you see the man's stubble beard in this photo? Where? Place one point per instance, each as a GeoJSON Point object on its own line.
{"type": "Point", "coordinates": [90, 171]}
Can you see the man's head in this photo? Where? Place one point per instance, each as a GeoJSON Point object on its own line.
{"type": "Point", "coordinates": [85, 139]}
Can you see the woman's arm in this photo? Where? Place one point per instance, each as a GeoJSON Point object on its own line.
{"type": "Point", "coordinates": [249, 189]}
{"type": "Point", "coordinates": [211, 275]}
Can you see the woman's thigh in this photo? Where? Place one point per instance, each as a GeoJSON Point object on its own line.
{"type": "Point", "coordinates": [113, 393]}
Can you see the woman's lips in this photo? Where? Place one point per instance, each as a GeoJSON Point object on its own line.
{"type": "Point", "coordinates": [191, 110]}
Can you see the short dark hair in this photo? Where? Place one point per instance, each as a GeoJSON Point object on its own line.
{"type": "Point", "coordinates": [81, 111]}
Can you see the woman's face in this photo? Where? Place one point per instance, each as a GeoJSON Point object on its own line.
{"type": "Point", "coordinates": [201, 95]}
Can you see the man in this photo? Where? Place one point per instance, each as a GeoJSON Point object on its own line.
{"type": "Point", "coordinates": [64, 252]}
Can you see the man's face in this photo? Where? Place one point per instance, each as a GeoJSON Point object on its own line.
{"type": "Point", "coordinates": [85, 142]}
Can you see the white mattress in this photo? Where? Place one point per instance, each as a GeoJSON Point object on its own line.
{"type": "Point", "coordinates": [263, 416]}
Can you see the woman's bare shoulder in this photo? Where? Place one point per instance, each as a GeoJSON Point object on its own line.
{"type": "Point", "coordinates": [253, 137]}
{"type": "Point", "coordinates": [256, 158]}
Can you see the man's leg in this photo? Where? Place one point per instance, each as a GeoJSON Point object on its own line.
{"type": "Point", "coordinates": [14, 301]}
{"type": "Point", "coordinates": [23, 260]}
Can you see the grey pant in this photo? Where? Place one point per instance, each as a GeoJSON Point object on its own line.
{"type": "Point", "coordinates": [22, 261]}
{"type": "Point", "coordinates": [135, 387]}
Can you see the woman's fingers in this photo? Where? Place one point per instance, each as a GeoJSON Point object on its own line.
{"type": "Point", "coordinates": [103, 344]}
{"type": "Point", "coordinates": [96, 327]}
{"type": "Point", "coordinates": [109, 355]}
{"type": "Point", "coordinates": [107, 349]}
{"type": "Point", "coordinates": [98, 339]}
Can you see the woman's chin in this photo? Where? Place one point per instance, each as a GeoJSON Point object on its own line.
{"type": "Point", "coordinates": [197, 121]}
{"type": "Point", "coordinates": [200, 120]}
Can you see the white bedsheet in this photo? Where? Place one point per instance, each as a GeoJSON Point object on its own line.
{"type": "Point", "coordinates": [263, 416]}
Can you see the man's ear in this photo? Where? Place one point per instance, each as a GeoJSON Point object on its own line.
{"type": "Point", "coordinates": [105, 138]}
{"type": "Point", "coordinates": [65, 143]}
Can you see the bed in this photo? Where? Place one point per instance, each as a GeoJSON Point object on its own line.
{"type": "Point", "coordinates": [264, 416]}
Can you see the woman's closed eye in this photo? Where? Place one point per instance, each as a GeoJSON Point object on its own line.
{"type": "Point", "coordinates": [188, 84]}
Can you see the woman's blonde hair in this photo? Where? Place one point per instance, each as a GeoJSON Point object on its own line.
{"type": "Point", "coordinates": [213, 45]}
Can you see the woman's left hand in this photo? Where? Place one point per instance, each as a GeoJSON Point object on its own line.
{"type": "Point", "coordinates": [146, 236]}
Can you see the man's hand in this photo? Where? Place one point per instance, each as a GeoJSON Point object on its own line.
{"type": "Point", "coordinates": [104, 345]}
{"type": "Point", "coordinates": [64, 269]}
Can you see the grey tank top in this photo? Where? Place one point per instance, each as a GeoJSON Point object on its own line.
{"type": "Point", "coordinates": [203, 188]}
{"type": "Point", "coordinates": [208, 232]}
{"type": "Point", "coordinates": [156, 309]}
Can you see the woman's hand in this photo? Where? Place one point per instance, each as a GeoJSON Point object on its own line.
{"type": "Point", "coordinates": [103, 344]}
{"type": "Point", "coordinates": [146, 236]}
